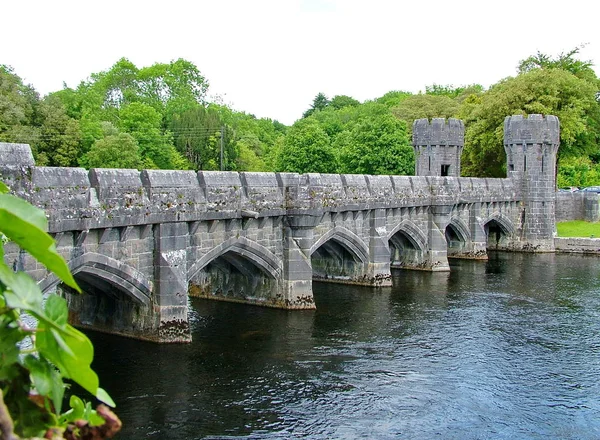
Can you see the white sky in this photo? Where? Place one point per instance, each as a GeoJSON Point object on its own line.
{"type": "Point", "coordinates": [271, 57]}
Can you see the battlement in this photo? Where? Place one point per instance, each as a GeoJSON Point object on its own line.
{"type": "Point", "coordinates": [439, 131]}
{"type": "Point", "coordinates": [16, 155]}
{"type": "Point", "coordinates": [533, 129]}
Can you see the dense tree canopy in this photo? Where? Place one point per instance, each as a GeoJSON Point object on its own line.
{"type": "Point", "coordinates": [544, 91]}
{"type": "Point", "coordinates": [307, 148]}
{"type": "Point", "coordinates": [159, 117]}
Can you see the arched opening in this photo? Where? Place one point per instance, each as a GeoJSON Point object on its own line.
{"type": "Point", "coordinates": [455, 240]}
{"type": "Point", "coordinates": [237, 270]}
{"type": "Point", "coordinates": [334, 260]}
{"type": "Point", "coordinates": [497, 235]}
{"type": "Point", "coordinates": [405, 251]}
{"type": "Point", "coordinates": [115, 297]}
{"type": "Point", "coordinates": [233, 277]}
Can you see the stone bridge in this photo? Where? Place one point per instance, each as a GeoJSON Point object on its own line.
{"type": "Point", "coordinates": [139, 243]}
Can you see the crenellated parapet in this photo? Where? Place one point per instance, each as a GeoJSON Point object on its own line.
{"type": "Point", "coordinates": [533, 129]}
{"type": "Point", "coordinates": [438, 146]}
{"type": "Point", "coordinates": [439, 131]}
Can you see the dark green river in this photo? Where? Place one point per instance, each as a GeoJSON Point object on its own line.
{"type": "Point", "coordinates": [504, 349]}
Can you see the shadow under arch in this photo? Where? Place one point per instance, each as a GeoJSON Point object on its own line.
{"type": "Point", "coordinates": [229, 272]}
{"type": "Point", "coordinates": [457, 236]}
{"type": "Point", "coordinates": [339, 255]}
{"type": "Point", "coordinates": [498, 230]}
{"type": "Point", "coordinates": [116, 298]}
{"type": "Point", "coordinates": [92, 266]}
{"type": "Point", "coordinates": [408, 245]}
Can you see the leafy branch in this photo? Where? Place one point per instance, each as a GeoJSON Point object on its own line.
{"type": "Point", "coordinates": [32, 383]}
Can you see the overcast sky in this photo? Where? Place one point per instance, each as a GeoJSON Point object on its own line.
{"type": "Point", "coordinates": [271, 57]}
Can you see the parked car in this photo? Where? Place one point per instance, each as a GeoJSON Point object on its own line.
{"type": "Point", "coordinates": [595, 189]}
{"type": "Point", "coordinates": [568, 189]}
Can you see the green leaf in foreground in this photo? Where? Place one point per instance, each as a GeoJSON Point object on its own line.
{"type": "Point", "coordinates": [26, 225]}
{"type": "Point", "coordinates": [46, 380]}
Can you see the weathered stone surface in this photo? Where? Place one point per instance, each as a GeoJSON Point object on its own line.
{"type": "Point", "coordinates": [577, 245]}
{"type": "Point", "coordinates": [438, 146]}
{"type": "Point", "coordinates": [141, 242]}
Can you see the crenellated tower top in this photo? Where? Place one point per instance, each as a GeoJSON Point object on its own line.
{"type": "Point", "coordinates": [438, 146]}
{"type": "Point", "coordinates": [439, 131]}
{"type": "Point", "coordinates": [533, 129]}
{"type": "Point", "coordinates": [531, 144]}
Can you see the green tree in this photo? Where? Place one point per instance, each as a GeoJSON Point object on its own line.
{"type": "Point", "coordinates": [340, 101]}
{"type": "Point", "coordinates": [307, 149]}
{"type": "Point", "coordinates": [60, 137]}
{"type": "Point", "coordinates": [196, 134]}
{"type": "Point", "coordinates": [377, 145]}
{"type": "Point", "coordinates": [393, 98]}
{"type": "Point", "coordinates": [543, 91]}
{"type": "Point", "coordinates": [172, 88]}
{"type": "Point", "coordinates": [319, 103]}
{"type": "Point", "coordinates": [564, 61]}
{"type": "Point", "coordinates": [18, 109]}
{"type": "Point", "coordinates": [143, 122]}
{"type": "Point", "coordinates": [114, 151]}
{"type": "Point", "coordinates": [578, 171]}
{"type": "Point", "coordinates": [425, 106]}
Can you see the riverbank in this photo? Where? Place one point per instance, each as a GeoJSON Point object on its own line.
{"type": "Point", "coordinates": [577, 245]}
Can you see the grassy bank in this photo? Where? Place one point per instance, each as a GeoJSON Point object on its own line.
{"type": "Point", "coordinates": [578, 228]}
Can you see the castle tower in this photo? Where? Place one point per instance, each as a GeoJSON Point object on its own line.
{"type": "Point", "coordinates": [531, 144]}
{"type": "Point", "coordinates": [438, 146]}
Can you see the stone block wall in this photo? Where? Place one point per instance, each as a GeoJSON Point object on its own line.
{"type": "Point", "coordinates": [578, 205]}
{"type": "Point", "coordinates": [438, 146]}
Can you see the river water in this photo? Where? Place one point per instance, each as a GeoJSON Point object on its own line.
{"type": "Point", "coordinates": [504, 349]}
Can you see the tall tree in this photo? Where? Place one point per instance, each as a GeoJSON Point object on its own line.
{"type": "Point", "coordinates": [60, 137]}
{"type": "Point", "coordinates": [544, 91]}
{"type": "Point", "coordinates": [18, 109]}
{"type": "Point", "coordinates": [319, 103]}
{"type": "Point", "coordinates": [307, 149]}
{"type": "Point", "coordinates": [377, 145]}
{"type": "Point", "coordinates": [425, 106]}
{"type": "Point", "coordinates": [143, 122]}
{"type": "Point", "coordinates": [114, 151]}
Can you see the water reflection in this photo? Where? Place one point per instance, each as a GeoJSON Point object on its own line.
{"type": "Point", "coordinates": [507, 348]}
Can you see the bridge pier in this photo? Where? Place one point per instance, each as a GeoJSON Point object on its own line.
{"type": "Point", "coordinates": [439, 219]}
{"type": "Point", "coordinates": [378, 272]}
{"type": "Point", "coordinates": [171, 284]}
{"type": "Point", "coordinates": [297, 268]}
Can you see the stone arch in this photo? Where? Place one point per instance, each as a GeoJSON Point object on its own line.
{"type": "Point", "coordinates": [414, 234]}
{"type": "Point", "coordinates": [347, 239]}
{"type": "Point", "coordinates": [116, 273]}
{"type": "Point", "coordinates": [408, 245]}
{"type": "Point", "coordinates": [339, 255]}
{"type": "Point", "coordinates": [503, 221]}
{"type": "Point", "coordinates": [259, 255]}
{"type": "Point", "coordinates": [498, 230]}
{"type": "Point", "coordinates": [461, 228]}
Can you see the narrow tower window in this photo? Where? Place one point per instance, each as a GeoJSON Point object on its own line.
{"type": "Point", "coordinates": [542, 164]}
{"type": "Point", "coordinates": [445, 170]}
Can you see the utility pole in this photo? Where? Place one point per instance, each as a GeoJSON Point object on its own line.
{"type": "Point", "coordinates": [222, 136]}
